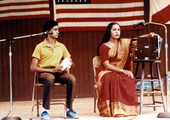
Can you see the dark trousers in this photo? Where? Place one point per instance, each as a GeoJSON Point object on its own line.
{"type": "Point", "coordinates": [48, 79]}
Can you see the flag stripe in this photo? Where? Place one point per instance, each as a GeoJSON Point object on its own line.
{"type": "Point", "coordinates": [99, 15]}
{"type": "Point", "coordinates": [15, 9]}
{"type": "Point", "coordinates": [104, 10]}
{"type": "Point", "coordinates": [91, 16]}
{"type": "Point", "coordinates": [26, 6]}
{"type": "Point", "coordinates": [24, 17]}
{"type": "Point", "coordinates": [159, 11]}
{"type": "Point", "coordinates": [99, 28]}
{"type": "Point", "coordinates": [92, 6]}
{"type": "Point", "coordinates": [24, 10]}
{"type": "Point", "coordinates": [114, 1]}
{"type": "Point", "coordinates": [71, 24]}
{"type": "Point", "coordinates": [165, 13]}
{"type": "Point", "coordinates": [23, 3]}
{"type": "Point", "coordinates": [98, 19]}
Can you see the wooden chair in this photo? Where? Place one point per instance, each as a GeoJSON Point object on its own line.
{"type": "Point", "coordinates": [96, 64]}
{"type": "Point", "coordinates": [35, 99]}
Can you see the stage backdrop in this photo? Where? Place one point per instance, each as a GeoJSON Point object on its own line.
{"type": "Point", "coordinates": [81, 44]}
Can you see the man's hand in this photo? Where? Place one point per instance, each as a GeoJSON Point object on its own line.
{"type": "Point", "coordinates": [57, 69]}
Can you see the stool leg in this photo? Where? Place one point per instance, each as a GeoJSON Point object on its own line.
{"type": "Point", "coordinates": [142, 87]}
{"type": "Point", "coordinates": [152, 86]}
{"type": "Point", "coordinates": [161, 87]}
{"type": "Point", "coordinates": [136, 71]}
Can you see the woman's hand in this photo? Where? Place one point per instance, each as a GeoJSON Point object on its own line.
{"type": "Point", "coordinates": [127, 72]}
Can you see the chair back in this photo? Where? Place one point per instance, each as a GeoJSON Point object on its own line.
{"type": "Point", "coordinates": [96, 61]}
{"type": "Point", "coordinates": [96, 64]}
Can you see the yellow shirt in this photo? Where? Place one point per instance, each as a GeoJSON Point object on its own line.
{"type": "Point", "coordinates": [49, 56]}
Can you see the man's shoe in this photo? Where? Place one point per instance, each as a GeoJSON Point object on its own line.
{"type": "Point", "coordinates": [72, 114]}
{"type": "Point", "coordinates": [44, 115]}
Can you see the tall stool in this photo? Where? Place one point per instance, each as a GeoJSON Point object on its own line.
{"type": "Point", "coordinates": [152, 78]}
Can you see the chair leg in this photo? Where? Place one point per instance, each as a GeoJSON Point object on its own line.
{"type": "Point", "coordinates": [37, 103]}
{"type": "Point", "coordinates": [95, 100]}
{"type": "Point", "coordinates": [94, 104]}
{"type": "Point", "coordinates": [65, 110]}
{"type": "Point", "coordinates": [33, 96]}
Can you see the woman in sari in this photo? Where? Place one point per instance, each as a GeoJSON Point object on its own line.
{"type": "Point", "coordinates": [116, 86]}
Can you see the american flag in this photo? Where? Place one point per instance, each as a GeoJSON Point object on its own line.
{"type": "Point", "coordinates": [159, 11]}
{"type": "Point", "coordinates": [95, 15]}
{"type": "Point", "coordinates": [24, 9]}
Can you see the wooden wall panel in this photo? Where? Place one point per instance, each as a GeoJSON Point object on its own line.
{"type": "Point", "coordinates": [21, 57]}
{"type": "Point", "coordinates": [82, 46]}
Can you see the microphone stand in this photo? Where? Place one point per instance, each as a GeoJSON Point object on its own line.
{"type": "Point", "coordinates": [10, 41]}
{"type": "Point", "coordinates": [164, 114]}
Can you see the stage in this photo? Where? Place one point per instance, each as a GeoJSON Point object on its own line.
{"type": "Point", "coordinates": [83, 107]}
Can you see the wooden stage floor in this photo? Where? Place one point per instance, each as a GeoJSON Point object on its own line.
{"type": "Point", "coordinates": [83, 107]}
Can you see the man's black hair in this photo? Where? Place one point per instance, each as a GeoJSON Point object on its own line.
{"type": "Point", "coordinates": [49, 24]}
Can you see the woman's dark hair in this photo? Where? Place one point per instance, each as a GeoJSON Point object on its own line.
{"type": "Point", "coordinates": [107, 35]}
{"type": "Point", "coordinates": [49, 24]}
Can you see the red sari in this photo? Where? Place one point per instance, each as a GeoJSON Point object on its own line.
{"type": "Point", "coordinates": [116, 91]}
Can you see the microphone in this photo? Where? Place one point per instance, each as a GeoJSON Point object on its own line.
{"type": "Point", "coordinates": [49, 32]}
{"type": "Point", "coordinates": [140, 23]}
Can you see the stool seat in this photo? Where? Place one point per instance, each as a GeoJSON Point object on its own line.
{"type": "Point", "coordinates": [150, 78]}
{"type": "Point", "coordinates": [149, 60]}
